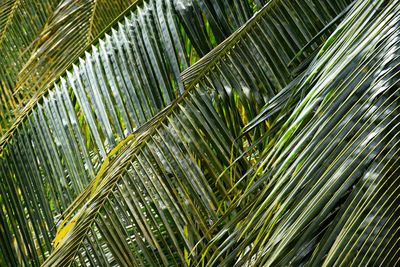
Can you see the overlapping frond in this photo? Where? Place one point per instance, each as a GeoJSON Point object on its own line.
{"type": "Point", "coordinates": [196, 121]}
{"type": "Point", "coordinates": [20, 23]}
{"type": "Point", "coordinates": [119, 85]}
{"type": "Point", "coordinates": [328, 186]}
{"type": "Point", "coordinates": [161, 193]}
{"type": "Point", "coordinates": [149, 167]}
{"type": "Point", "coordinates": [39, 40]}
{"type": "Point", "coordinates": [116, 88]}
{"type": "Point", "coordinates": [68, 32]}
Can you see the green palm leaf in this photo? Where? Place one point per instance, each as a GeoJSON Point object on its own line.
{"type": "Point", "coordinates": [67, 33]}
{"type": "Point", "coordinates": [88, 220]}
{"type": "Point", "coordinates": [329, 182]}
{"type": "Point", "coordinates": [59, 169]}
{"type": "Point", "coordinates": [278, 147]}
{"type": "Point", "coordinates": [38, 42]}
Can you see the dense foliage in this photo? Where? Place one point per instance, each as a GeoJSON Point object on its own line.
{"type": "Point", "coordinates": [199, 133]}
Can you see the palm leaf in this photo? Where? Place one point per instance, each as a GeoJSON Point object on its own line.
{"type": "Point", "coordinates": [128, 59]}
{"type": "Point", "coordinates": [177, 114]}
{"type": "Point", "coordinates": [74, 111]}
{"type": "Point", "coordinates": [47, 53]}
{"type": "Point", "coordinates": [17, 17]}
{"type": "Point", "coordinates": [61, 41]}
{"type": "Point", "coordinates": [52, 39]}
{"type": "Point", "coordinates": [65, 168]}
{"type": "Point", "coordinates": [327, 187]}
{"type": "Point", "coordinates": [173, 163]}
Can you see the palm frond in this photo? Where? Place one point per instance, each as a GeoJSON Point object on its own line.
{"type": "Point", "coordinates": [165, 181]}
{"type": "Point", "coordinates": [180, 113]}
{"type": "Point", "coordinates": [58, 145]}
{"type": "Point", "coordinates": [16, 17]}
{"type": "Point", "coordinates": [5, 10]}
{"type": "Point", "coordinates": [68, 32]}
{"type": "Point", "coordinates": [121, 83]}
{"type": "Point", "coordinates": [39, 40]}
{"type": "Point", "coordinates": [327, 187]}
{"type": "Point", "coordinates": [71, 131]}
{"type": "Point", "coordinates": [59, 41]}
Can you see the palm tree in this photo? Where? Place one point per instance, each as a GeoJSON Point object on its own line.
{"type": "Point", "coordinates": [199, 133]}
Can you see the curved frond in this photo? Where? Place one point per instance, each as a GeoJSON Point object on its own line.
{"type": "Point", "coordinates": [118, 86]}
{"type": "Point", "coordinates": [39, 40]}
{"type": "Point", "coordinates": [161, 193]}
{"type": "Point", "coordinates": [20, 24]}
{"type": "Point", "coordinates": [188, 115]}
{"type": "Point", "coordinates": [328, 186]}
{"type": "Point", "coordinates": [170, 193]}
{"type": "Point", "coordinates": [62, 41]}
